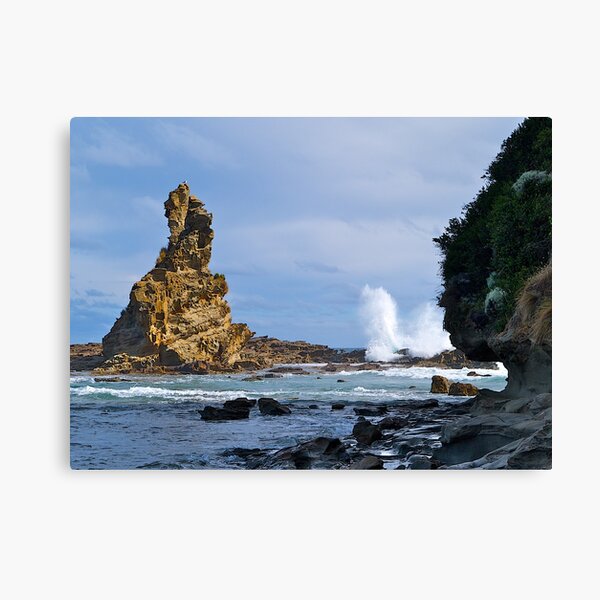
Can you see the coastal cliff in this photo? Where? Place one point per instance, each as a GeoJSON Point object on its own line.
{"type": "Point", "coordinates": [177, 313]}
{"type": "Point", "coordinates": [497, 277]}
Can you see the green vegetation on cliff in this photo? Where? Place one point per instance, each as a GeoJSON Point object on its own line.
{"type": "Point", "coordinates": [504, 235]}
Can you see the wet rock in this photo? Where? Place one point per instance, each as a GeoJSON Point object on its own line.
{"type": "Point", "coordinates": [392, 423]}
{"type": "Point", "coordinates": [253, 378]}
{"type": "Point", "coordinates": [439, 385]}
{"type": "Point", "coordinates": [371, 411]}
{"type": "Point", "coordinates": [110, 379]}
{"type": "Point", "coordinates": [341, 381]}
{"type": "Point", "coordinates": [269, 406]}
{"type": "Point", "coordinates": [429, 403]}
{"type": "Point", "coordinates": [272, 376]}
{"type": "Point", "coordinates": [289, 370]}
{"type": "Point", "coordinates": [313, 406]}
{"type": "Point", "coordinates": [321, 453]}
{"type": "Point", "coordinates": [412, 387]}
{"type": "Point", "coordinates": [419, 462]}
{"type": "Point", "coordinates": [541, 402]}
{"type": "Point", "coordinates": [462, 389]}
{"type": "Point", "coordinates": [243, 452]}
{"type": "Point", "coordinates": [211, 413]}
{"type": "Point", "coordinates": [338, 406]}
{"type": "Point", "coordinates": [239, 403]}
{"type": "Point", "coordinates": [368, 463]}
{"type": "Point", "coordinates": [473, 437]}
{"type": "Point", "coordinates": [365, 432]}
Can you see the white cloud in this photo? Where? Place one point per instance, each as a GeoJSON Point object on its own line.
{"type": "Point", "coordinates": [180, 138]}
{"type": "Point", "coordinates": [110, 147]}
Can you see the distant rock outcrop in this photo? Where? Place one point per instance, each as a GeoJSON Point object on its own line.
{"type": "Point", "coordinates": [177, 313]}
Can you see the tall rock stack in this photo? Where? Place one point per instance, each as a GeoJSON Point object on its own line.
{"type": "Point", "coordinates": [177, 313]}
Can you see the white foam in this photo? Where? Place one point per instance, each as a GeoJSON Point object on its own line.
{"type": "Point", "coordinates": [158, 392]}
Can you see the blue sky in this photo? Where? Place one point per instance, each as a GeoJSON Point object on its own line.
{"type": "Point", "coordinates": [306, 211]}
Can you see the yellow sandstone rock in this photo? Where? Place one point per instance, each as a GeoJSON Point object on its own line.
{"type": "Point", "coordinates": [177, 313]}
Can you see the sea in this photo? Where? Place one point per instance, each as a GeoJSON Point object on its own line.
{"type": "Point", "coordinates": [153, 422]}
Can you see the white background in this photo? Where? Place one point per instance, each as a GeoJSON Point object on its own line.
{"type": "Point", "coordinates": [288, 535]}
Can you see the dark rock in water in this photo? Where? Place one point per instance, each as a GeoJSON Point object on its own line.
{"type": "Point", "coordinates": [289, 370]}
{"type": "Point", "coordinates": [253, 378]}
{"type": "Point", "coordinates": [321, 453]}
{"type": "Point", "coordinates": [462, 389]}
{"type": "Point", "coordinates": [110, 379]}
{"type": "Point", "coordinates": [239, 403]}
{"type": "Point", "coordinates": [368, 411]}
{"type": "Point", "coordinates": [211, 413]}
{"type": "Point", "coordinates": [419, 461]}
{"type": "Point", "coordinates": [439, 385]}
{"type": "Point", "coordinates": [392, 423]}
{"type": "Point", "coordinates": [269, 406]}
{"type": "Point", "coordinates": [368, 463]}
{"type": "Point", "coordinates": [273, 375]}
{"type": "Point", "coordinates": [338, 406]}
{"type": "Point", "coordinates": [412, 387]}
{"type": "Point", "coordinates": [429, 403]}
{"type": "Point", "coordinates": [243, 452]}
{"type": "Point", "coordinates": [366, 433]}
{"type": "Point", "coordinates": [312, 406]}
{"type": "Point", "coordinates": [341, 381]}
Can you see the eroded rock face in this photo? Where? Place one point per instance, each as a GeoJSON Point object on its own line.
{"type": "Point", "coordinates": [525, 344]}
{"type": "Point", "coordinates": [177, 312]}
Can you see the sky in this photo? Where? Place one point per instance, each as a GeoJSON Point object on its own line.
{"type": "Point", "coordinates": [306, 211]}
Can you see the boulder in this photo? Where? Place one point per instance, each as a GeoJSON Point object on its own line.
{"type": "Point", "coordinates": [365, 432]}
{"type": "Point", "coordinates": [462, 389]}
{"type": "Point", "coordinates": [341, 381]}
{"type": "Point", "coordinates": [368, 463]}
{"type": "Point", "coordinates": [439, 385]}
{"type": "Point", "coordinates": [419, 462]}
{"type": "Point", "coordinates": [321, 452]}
{"type": "Point", "coordinates": [239, 403]}
{"type": "Point", "coordinates": [269, 406]}
{"type": "Point", "coordinates": [338, 406]}
{"type": "Point", "coordinates": [392, 423]}
{"type": "Point", "coordinates": [212, 413]}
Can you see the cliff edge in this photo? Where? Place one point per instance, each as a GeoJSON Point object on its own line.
{"type": "Point", "coordinates": [497, 295]}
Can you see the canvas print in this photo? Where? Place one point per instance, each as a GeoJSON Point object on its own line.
{"type": "Point", "coordinates": [311, 293]}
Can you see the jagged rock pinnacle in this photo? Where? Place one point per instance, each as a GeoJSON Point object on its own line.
{"type": "Point", "coordinates": [177, 311]}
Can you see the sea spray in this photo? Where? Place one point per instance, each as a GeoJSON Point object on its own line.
{"type": "Point", "coordinates": [380, 317]}
{"type": "Point", "coordinates": [422, 334]}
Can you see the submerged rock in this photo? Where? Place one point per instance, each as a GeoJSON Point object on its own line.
{"type": "Point", "coordinates": [371, 411]}
{"type": "Point", "coordinates": [338, 406]}
{"type": "Point", "coordinates": [212, 413]}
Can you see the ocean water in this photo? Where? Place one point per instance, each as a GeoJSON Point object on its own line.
{"type": "Point", "coordinates": [153, 422]}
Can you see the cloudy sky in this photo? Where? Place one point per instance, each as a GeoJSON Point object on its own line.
{"type": "Point", "coordinates": [306, 211]}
